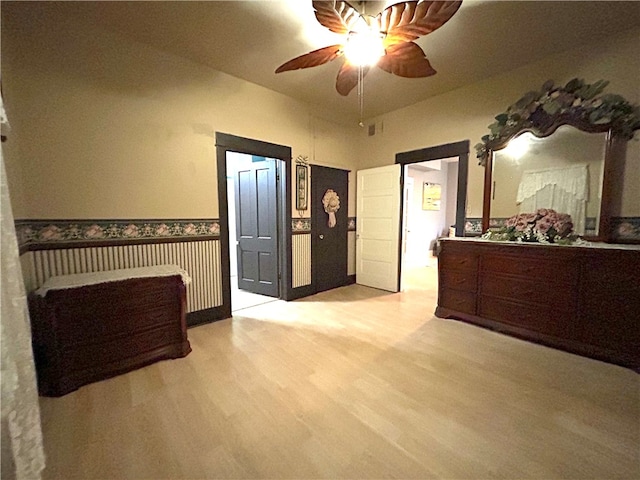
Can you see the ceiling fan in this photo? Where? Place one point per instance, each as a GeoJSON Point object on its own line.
{"type": "Point", "coordinates": [385, 40]}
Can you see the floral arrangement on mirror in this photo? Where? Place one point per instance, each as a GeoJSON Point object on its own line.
{"type": "Point", "coordinates": [543, 226]}
{"type": "Point", "coordinates": [577, 101]}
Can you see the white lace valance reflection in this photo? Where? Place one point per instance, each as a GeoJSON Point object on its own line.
{"type": "Point", "coordinates": [573, 180]}
{"type": "Point", "coordinates": [563, 189]}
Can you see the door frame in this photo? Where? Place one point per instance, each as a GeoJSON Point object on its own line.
{"type": "Point", "coordinates": [439, 152]}
{"type": "Point", "coordinates": [230, 143]}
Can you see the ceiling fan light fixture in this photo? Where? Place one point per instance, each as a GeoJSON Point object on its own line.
{"type": "Point", "coordinates": [385, 41]}
{"type": "Point", "coordinates": [364, 47]}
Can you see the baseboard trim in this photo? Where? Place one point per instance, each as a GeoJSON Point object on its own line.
{"type": "Point", "coordinates": [300, 292]}
{"type": "Point", "coordinates": [351, 279]}
{"type": "Point", "coordinates": [209, 315]}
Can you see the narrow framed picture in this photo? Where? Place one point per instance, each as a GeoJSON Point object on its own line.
{"type": "Point", "coordinates": [302, 179]}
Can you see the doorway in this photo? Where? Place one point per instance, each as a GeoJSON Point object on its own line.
{"type": "Point", "coordinates": [253, 226]}
{"type": "Point", "coordinates": [227, 146]}
{"type": "Point", "coordinates": [379, 245]}
{"type": "Point", "coordinates": [433, 205]}
{"type": "Point", "coordinates": [429, 213]}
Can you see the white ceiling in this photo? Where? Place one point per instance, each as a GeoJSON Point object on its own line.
{"type": "Point", "coordinates": [250, 39]}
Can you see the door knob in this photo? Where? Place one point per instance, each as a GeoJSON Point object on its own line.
{"type": "Point", "coordinates": [321, 237]}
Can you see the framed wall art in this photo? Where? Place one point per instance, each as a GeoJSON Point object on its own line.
{"type": "Point", "coordinates": [431, 196]}
{"type": "Point", "coordinates": [302, 182]}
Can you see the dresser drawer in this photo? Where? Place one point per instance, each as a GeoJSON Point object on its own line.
{"type": "Point", "coordinates": [464, 302]}
{"type": "Point", "coordinates": [459, 280]}
{"type": "Point", "coordinates": [541, 268]}
{"type": "Point", "coordinates": [545, 319]}
{"type": "Point", "coordinates": [455, 261]}
{"type": "Point", "coordinates": [530, 291]}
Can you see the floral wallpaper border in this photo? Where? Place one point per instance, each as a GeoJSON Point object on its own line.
{"type": "Point", "coordinates": [56, 231]}
{"type": "Point", "coordinates": [625, 228]}
{"type": "Point", "coordinates": [473, 225]}
{"type": "Point", "coordinates": [59, 231]}
{"type": "Point", "coordinates": [65, 231]}
{"type": "Point", "coordinates": [300, 225]}
{"type": "Point", "coordinates": [303, 225]}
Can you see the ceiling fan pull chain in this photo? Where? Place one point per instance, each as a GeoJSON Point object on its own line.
{"type": "Point", "coordinates": [361, 95]}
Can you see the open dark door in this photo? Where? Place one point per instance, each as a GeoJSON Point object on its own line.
{"type": "Point", "coordinates": [256, 225]}
{"type": "Point", "coordinates": [329, 244]}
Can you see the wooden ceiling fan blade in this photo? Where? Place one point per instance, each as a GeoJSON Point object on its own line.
{"type": "Point", "coordinates": [337, 16]}
{"type": "Point", "coordinates": [348, 78]}
{"type": "Point", "coordinates": [406, 60]}
{"type": "Point", "coordinates": [312, 59]}
{"type": "Point", "coordinates": [407, 21]}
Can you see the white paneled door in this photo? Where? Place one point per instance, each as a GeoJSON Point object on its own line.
{"type": "Point", "coordinates": [378, 227]}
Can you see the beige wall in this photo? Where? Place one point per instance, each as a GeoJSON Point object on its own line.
{"type": "Point", "coordinates": [108, 128]}
{"type": "Point", "coordinates": [465, 113]}
{"type": "Point", "coordinates": [103, 127]}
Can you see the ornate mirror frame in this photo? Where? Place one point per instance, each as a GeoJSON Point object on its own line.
{"type": "Point", "coordinates": [578, 105]}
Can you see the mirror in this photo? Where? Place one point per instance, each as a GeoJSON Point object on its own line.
{"type": "Point", "coordinates": [578, 154]}
{"type": "Point", "coordinates": [563, 171]}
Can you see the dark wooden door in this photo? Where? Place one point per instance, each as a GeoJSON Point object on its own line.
{"type": "Point", "coordinates": [329, 244]}
{"type": "Point", "coordinates": [256, 225]}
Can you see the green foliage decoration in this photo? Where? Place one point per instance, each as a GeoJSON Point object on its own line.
{"type": "Point", "coordinates": [577, 100]}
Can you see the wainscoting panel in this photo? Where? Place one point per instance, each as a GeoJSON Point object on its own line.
{"type": "Point", "coordinates": [201, 259]}
{"type": "Point", "coordinates": [301, 268]}
{"type": "Point", "coordinates": [351, 252]}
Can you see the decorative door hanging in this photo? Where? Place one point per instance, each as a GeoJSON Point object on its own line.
{"type": "Point", "coordinates": [331, 203]}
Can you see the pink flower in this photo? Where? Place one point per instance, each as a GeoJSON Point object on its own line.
{"type": "Point", "coordinates": [162, 229]}
{"type": "Point", "coordinates": [626, 229]}
{"type": "Point", "coordinates": [130, 230]}
{"type": "Point", "coordinates": [94, 231]}
{"type": "Point", "coordinates": [214, 228]}
{"type": "Point", "coordinates": [563, 228]}
{"type": "Point", "coordinates": [51, 233]}
{"type": "Point", "coordinates": [189, 229]}
{"type": "Point", "coordinates": [521, 225]}
{"type": "Point", "coordinates": [544, 224]}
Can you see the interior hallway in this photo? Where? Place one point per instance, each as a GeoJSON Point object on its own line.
{"type": "Point", "coordinates": [352, 382]}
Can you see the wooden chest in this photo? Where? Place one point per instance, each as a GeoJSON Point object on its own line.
{"type": "Point", "coordinates": [89, 333]}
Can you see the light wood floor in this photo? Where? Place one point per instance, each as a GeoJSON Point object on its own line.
{"type": "Point", "coordinates": [241, 299]}
{"type": "Point", "coordinates": [352, 383]}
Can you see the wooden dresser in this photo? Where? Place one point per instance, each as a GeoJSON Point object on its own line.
{"type": "Point", "coordinates": [584, 300]}
{"type": "Point", "coordinates": [85, 333]}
